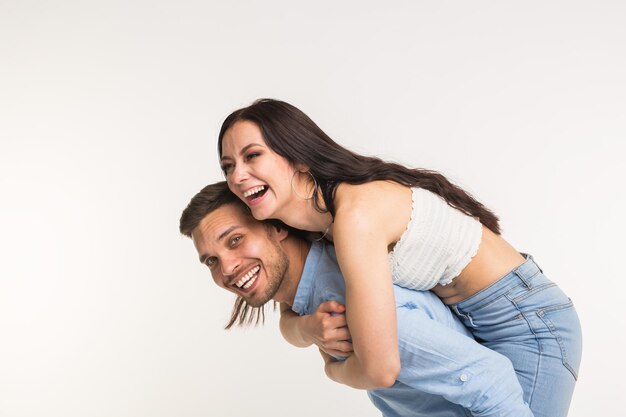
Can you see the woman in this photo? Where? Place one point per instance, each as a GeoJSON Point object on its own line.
{"type": "Point", "coordinates": [410, 226]}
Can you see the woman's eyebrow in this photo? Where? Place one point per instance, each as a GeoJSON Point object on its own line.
{"type": "Point", "coordinates": [242, 151]}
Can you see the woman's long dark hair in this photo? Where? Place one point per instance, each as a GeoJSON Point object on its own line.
{"type": "Point", "coordinates": [293, 135]}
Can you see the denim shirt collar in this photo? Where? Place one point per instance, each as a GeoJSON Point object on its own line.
{"type": "Point", "coordinates": [304, 291]}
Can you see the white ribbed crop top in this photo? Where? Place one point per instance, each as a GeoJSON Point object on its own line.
{"type": "Point", "coordinates": [437, 244]}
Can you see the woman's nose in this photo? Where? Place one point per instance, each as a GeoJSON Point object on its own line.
{"type": "Point", "coordinates": [239, 174]}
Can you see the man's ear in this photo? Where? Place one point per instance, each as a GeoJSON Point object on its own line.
{"type": "Point", "coordinates": [281, 232]}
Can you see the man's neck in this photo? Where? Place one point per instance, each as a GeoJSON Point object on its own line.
{"type": "Point", "coordinates": [297, 250]}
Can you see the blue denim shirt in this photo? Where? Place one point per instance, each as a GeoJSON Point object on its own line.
{"type": "Point", "coordinates": [444, 372]}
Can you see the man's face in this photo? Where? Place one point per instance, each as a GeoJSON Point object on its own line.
{"type": "Point", "coordinates": [243, 255]}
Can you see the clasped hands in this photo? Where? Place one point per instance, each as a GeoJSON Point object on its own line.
{"type": "Point", "coordinates": [328, 330]}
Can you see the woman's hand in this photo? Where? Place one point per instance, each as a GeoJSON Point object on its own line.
{"type": "Point", "coordinates": [327, 329]}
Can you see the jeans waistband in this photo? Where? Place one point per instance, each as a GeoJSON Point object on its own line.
{"type": "Point", "coordinates": [524, 273]}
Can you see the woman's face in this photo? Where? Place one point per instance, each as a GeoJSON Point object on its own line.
{"type": "Point", "coordinates": [254, 172]}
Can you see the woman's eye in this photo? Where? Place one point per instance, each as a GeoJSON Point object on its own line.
{"type": "Point", "coordinates": [227, 168]}
{"type": "Point", "coordinates": [252, 155]}
{"type": "Point", "coordinates": [235, 240]}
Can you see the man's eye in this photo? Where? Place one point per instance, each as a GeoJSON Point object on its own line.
{"type": "Point", "coordinates": [235, 240]}
{"type": "Point", "coordinates": [210, 262]}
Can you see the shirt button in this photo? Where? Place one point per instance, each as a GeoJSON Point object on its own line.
{"type": "Point", "coordinates": [464, 377]}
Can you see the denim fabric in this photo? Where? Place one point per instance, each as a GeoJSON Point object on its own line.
{"type": "Point", "coordinates": [444, 372]}
{"type": "Point", "coordinates": [528, 319]}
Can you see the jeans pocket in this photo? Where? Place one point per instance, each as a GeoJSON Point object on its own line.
{"type": "Point", "coordinates": [562, 322]}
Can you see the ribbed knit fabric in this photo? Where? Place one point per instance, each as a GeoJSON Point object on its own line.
{"type": "Point", "coordinates": [438, 243]}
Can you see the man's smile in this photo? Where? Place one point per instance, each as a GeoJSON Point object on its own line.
{"type": "Point", "coordinates": [248, 279]}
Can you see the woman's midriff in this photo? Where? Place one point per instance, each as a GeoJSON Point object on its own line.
{"type": "Point", "coordinates": [495, 258]}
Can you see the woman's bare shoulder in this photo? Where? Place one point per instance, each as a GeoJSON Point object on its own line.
{"type": "Point", "coordinates": [373, 191]}
{"type": "Point", "coordinates": [384, 205]}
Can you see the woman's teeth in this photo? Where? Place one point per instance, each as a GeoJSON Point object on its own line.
{"type": "Point", "coordinates": [247, 280]}
{"type": "Point", "coordinates": [254, 190]}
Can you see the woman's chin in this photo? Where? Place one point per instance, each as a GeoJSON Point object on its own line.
{"type": "Point", "coordinates": [260, 215]}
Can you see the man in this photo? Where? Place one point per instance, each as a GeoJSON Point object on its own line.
{"type": "Point", "coordinates": [443, 371]}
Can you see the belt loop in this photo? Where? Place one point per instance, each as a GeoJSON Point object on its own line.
{"type": "Point", "coordinates": [522, 278]}
{"type": "Point", "coordinates": [467, 316]}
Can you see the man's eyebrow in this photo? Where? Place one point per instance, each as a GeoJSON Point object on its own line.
{"type": "Point", "coordinates": [243, 150]}
{"type": "Point", "coordinates": [222, 235]}
{"type": "Point", "coordinates": [226, 232]}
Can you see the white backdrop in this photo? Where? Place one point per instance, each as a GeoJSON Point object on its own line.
{"type": "Point", "coordinates": [109, 113]}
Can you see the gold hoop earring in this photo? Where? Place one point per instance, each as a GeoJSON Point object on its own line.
{"type": "Point", "coordinates": [314, 185]}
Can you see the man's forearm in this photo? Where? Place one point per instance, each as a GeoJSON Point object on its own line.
{"type": "Point", "coordinates": [290, 327]}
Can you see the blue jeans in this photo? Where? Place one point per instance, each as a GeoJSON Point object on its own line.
{"type": "Point", "coordinates": [528, 319]}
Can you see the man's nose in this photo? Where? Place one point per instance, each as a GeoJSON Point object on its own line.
{"type": "Point", "coordinates": [230, 266]}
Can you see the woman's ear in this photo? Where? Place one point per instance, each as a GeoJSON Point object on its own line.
{"type": "Point", "coordinates": [301, 167]}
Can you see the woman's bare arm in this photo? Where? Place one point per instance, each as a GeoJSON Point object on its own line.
{"type": "Point", "coordinates": [369, 218]}
{"type": "Point", "coordinates": [370, 307]}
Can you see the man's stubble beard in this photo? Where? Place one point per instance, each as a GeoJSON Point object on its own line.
{"type": "Point", "coordinates": [275, 270]}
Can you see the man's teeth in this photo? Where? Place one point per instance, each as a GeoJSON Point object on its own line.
{"type": "Point", "coordinates": [246, 281]}
{"type": "Point", "coordinates": [254, 191]}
